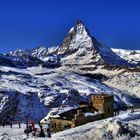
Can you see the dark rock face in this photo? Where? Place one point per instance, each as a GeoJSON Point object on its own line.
{"type": "Point", "coordinates": [39, 52]}
{"type": "Point", "coordinates": [4, 61]}
{"type": "Point", "coordinates": [99, 77]}
{"type": "Point", "coordinates": [8, 104]}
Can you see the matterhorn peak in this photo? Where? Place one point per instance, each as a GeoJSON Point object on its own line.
{"type": "Point", "coordinates": [78, 21]}
{"type": "Point", "coordinates": [75, 39]}
{"type": "Point", "coordinates": [77, 44]}
{"type": "Point", "coordinates": [78, 28]}
{"type": "Point", "coordinates": [79, 47]}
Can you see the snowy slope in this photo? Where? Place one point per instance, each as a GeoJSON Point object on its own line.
{"type": "Point", "coordinates": [122, 127]}
{"type": "Point", "coordinates": [127, 82]}
{"type": "Point", "coordinates": [35, 90]}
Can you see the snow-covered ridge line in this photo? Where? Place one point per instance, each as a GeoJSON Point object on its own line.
{"type": "Point", "coordinates": [78, 48]}
{"type": "Point", "coordinates": [125, 50]}
{"type": "Point", "coordinates": [132, 56]}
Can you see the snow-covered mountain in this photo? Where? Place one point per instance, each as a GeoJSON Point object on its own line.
{"type": "Point", "coordinates": [30, 57]}
{"type": "Point", "coordinates": [79, 48]}
{"type": "Point", "coordinates": [29, 87]}
{"type": "Point", "coordinates": [132, 56]}
{"type": "Point", "coordinates": [39, 52]}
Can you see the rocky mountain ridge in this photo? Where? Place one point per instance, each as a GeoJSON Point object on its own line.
{"type": "Point", "coordinates": [77, 49]}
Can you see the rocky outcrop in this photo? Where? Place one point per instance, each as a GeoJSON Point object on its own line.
{"type": "Point", "coordinates": [8, 104]}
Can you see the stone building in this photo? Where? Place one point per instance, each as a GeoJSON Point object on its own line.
{"type": "Point", "coordinates": [103, 103]}
{"type": "Point", "coordinates": [100, 107]}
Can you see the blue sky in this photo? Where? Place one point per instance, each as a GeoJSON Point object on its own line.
{"type": "Point", "coordinates": [30, 23]}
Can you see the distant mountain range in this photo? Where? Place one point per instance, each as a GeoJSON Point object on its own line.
{"type": "Point", "coordinates": [77, 49]}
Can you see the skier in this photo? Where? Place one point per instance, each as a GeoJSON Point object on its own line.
{"type": "Point", "coordinates": [3, 123]}
{"type": "Point", "coordinates": [19, 125]}
{"type": "Point", "coordinates": [42, 134]}
{"type": "Point", "coordinates": [132, 110]}
{"type": "Point", "coordinates": [48, 133]}
{"type": "Point", "coordinates": [10, 123]}
{"type": "Point", "coordinates": [33, 125]}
